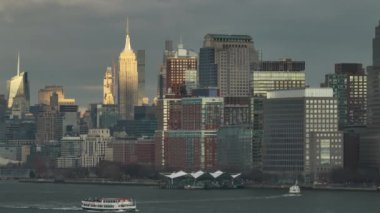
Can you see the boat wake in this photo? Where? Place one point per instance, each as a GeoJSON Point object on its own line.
{"type": "Point", "coordinates": [41, 207]}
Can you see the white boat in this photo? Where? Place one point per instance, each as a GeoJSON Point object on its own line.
{"type": "Point", "coordinates": [295, 189]}
{"type": "Point", "coordinates": [109, 204]}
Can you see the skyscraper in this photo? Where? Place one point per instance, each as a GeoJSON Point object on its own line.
{"type": "Point", "coordinates": [108, 96]}
{"type": "Point", "coordinates": [128, 80]}
{"type": "Point", "coordinates": [274, 75]}
{"type": "Point", "coordinates": [176, 67]}
{"type": "Point", "coordinates": [374, 83]}
{"type": "Point", "coordinates": [376, 47]}
{"type": "Point", "coordinates": [168, 52]}
{"type": "Point", "coordinates": [349, 83]}
{"type": "Point", "coordinates": [45, 94]}
{"type": "Point", "coordinates": [369, 154]}
{"type": "Point", "coordinates": [3, 107]}
{"type": "Point", "coordinates": [301, 136]}
{"type": "Point", "coordinates": [18, 92]}
{"type": "Point", "coordinates": [141, 75]}
{"type": "Point", "coordinates": [226, 60]}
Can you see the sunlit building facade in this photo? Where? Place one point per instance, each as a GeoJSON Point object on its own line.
{"type": "Point", "coordinates": [94, 147]}
{"type": "Point", "coordinates": [18, 93]}
{"type": "Point", "coordinates": [176, 67]}
{"type": "Point", "coordinates": [45, 94]}
{"type": "Point", "coordinates": [108, 85]}
{"type": "Point", "coordinates": [128, 80]}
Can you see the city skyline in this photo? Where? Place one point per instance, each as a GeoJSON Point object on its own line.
{"type": "Point", "coordinates": [54, 48]}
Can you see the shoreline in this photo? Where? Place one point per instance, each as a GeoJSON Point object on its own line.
{"type": "Point", "coordinates": [157, 183]}
{"type": "Point", "coordinates": [93, 182]}
{"type": "Point", "coordinates": [319, 187]}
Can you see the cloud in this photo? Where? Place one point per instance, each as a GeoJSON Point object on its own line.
{"type": "Point", "coordinates": [71, 42]}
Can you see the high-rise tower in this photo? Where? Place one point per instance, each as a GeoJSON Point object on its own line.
{"type": "Point", "coordinates": [128, 80]}
{"type": "Point", "coordinates": [141, 75]}
{"type": "Point", "coordinates": [374, 83]}
{"type": "Point", "coordinates": [376, 47]}
{"type": "Point", "coordinates": [225, 63]}
{"type": "Point", "coordinates": [18, 92]}
{"type": "Point", "coordinates": [108, 96]}
{"type": "Point", "coordinates": [369, 154]}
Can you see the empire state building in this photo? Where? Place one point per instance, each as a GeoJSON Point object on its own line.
{"type": "Point", "coordinates": [128, 80]}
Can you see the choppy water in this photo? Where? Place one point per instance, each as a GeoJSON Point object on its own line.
{"type": "Point", "coordinates": [27, 197]}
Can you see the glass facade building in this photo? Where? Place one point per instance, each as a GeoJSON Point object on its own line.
{"type": "Point", "coordinates": [301, 136]}
{"type": "Point", "coordinates": [274, 75]}
{"type": "Point", "coordinates": [234, 148]}
{"type": "Point", "coordinates": [18, 94]}
{"type": "Point", "coordinates": [349, 83]}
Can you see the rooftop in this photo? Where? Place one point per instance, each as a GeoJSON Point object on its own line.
{"type": "Point", "coordinates": [302, 93]}
{"type": "Point", "coordinates": [227, 37]}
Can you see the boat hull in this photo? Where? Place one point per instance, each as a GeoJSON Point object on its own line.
{"type": "Point", "coordinates": [129, 209]}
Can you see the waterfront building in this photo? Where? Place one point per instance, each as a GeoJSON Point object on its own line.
{"type": "Point", "coordinates": [128, 80]}
{"type": "Point", "coordinates": [186, 125]}
{"type": "Point", "coordinates": [129, 151]}
{"type": "Point", "coordinates": [349, 83]}
{"type": "Point", "coordinates": [141, 76]}
{"type": "Point", "coordinates": [45, 94]}
{"type": "Point", "coordinates": [234, 148]}
{"type": "Point", "coordinates": [176, 67]}
{"type": "Point", "coordinates": [186, 150]}
{"type": "Point", "coordinates": [301, 137]}
{"type": "Point", "coordinates": [108, 87]}
{"type": "Point", "coordinates": [369, 156]}
{"type": "Point", "coordinates": [18, 93]}
{"type": "Point", "coordinates": [94, 147]}
{"type": "Point", "coordinates": [70, 152]}
{"type": "Point", "coordinates": [226, 62]}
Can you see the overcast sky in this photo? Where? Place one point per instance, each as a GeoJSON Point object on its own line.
{"type": "Point", "coordinates": [71, 42]}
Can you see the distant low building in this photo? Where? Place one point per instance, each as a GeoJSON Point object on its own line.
{"type": "Point", "coordinates": [94, 147]}
{"type": "Point", "coordinates": [133, 151]}
{"type": "Point", "coordinates": [71, 150]}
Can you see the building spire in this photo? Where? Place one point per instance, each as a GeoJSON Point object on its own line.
{"type": "Point", "coordinates": [180, 44]}
{"type": "Point", "coordinates": [127, 38]}
{"type": "Point", "coordinates": [127, 28]}
{"type": "Point", "coordinates": [18, 63]}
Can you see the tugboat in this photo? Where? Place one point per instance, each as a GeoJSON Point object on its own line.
{"type": "Point", "coordinates": [109, 204]}
{"type": "Point", "coordinates": [295, 189]}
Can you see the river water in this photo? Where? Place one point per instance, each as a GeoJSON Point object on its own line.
{"type": "Point", "coordinates": [33, 197]}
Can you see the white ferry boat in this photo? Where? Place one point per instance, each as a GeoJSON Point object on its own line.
{"type": "Point", "coordinates": [109, 204]}
{"type": "Point", "coordinates": [295, 189]}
